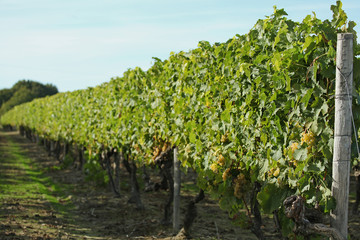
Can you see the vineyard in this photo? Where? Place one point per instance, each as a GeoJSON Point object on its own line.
{"type": "Point", "coordinates": [253, 118]}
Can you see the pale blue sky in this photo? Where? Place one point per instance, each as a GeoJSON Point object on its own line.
{"type": "Point", "coordinates": [75, 44]}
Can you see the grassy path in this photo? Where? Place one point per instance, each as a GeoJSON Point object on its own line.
{"type": "Point", "coordinates": [32, 206]}
{"type": "Point", "coordinates": [40, 200]}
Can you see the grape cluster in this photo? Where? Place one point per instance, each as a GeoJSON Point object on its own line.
{"type": "Point", "coordinates": [221, 160]}
{"type": "Point", "coordinates": [240, 187]}
{"type": "Point", "coordinates": [214, 167]}
{"type": "Point", "coordinates": [294, 146]}
{"type": "Point", "coordinates": [308, 138]}
{"type": "Point", "coordinates": [156, 153]}
{"type": "Point", "coordinates": [274, 172]}
{"type": "Point", "coordinates": [224, 138]}
{"type": "Point", "coordinates": [226, 174]}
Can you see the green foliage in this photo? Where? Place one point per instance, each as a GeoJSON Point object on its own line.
{"type": "Point", "coordinates": [258, 108]}
{"type": "Point", "coordinates": [5, 95]}
{"type": "Point", "coordinates": [67, 162]}
{"type": "Point", "coordinates": [24, 91]}
{"type": "Point", "coordinates": [271, 197]}
{"type": "Point", "coordinates": [94, 172]}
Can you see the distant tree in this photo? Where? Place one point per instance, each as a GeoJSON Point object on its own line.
{"type": "Point", "coordinates": [24, 91]}
{"type": "Point", "coordinates": [5, 95]}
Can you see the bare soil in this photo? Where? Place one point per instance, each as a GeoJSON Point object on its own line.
{"type": "Point", "coordinates": [72, 208]}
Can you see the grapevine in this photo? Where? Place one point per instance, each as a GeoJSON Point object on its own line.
{"type": "Point", "coordinates": [257, 109]}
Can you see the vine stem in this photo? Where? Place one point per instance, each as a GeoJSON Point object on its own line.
{"type": "Point", "coordinates": [312, 63]}
{"type": "Point", "coordinates": [247, 210]}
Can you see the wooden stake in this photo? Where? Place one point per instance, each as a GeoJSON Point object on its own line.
{"type": "Point", "coordinates": [177, 185]}
{"type": "Point", "coordinates": [342, 132]}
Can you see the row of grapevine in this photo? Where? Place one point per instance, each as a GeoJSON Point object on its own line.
{"type": "Point", "coordinates": [255, 112]}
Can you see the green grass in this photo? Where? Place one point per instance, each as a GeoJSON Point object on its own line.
{"type": "Point", "coordinates": [24, 180]}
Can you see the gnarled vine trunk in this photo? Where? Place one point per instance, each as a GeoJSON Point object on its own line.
{"type": "Point", "coordinates": [165, 161]}
{"type": "Point", "coordinates": [106, 160]}
{"type": "Point", "coordinates": [255, 211]}
{"type": "Point", "coordinates": [295, 210]}
{"type": "Point", "coordinates": [191, 214]}
{"type": "Point", "coordinates": [135, 191]}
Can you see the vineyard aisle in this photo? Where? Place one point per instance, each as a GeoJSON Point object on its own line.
{"type": "Point", "coordinates": [40, 200]}
{"type": "Point", "coordinates": [32, 206]}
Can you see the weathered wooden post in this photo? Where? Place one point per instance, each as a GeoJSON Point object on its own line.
{"type": "Point", "coordinates": [342, 132]}
{"type": "Point", "coordinates": [177, 185]}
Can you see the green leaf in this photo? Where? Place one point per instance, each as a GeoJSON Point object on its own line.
{"type": "Point", "coordinates": [339, 16]}
{"type": "Point", "coordinates": [271, 197]}
{"type": "Point", "coordinates": [273, 97]}
{"type": "Point", "coordinates": [225, 115]}
{"type": "Point", "coordinates": [279, 12]}
{"type": "Point", "coordinates": [192, 137]}
{"type": "Point", "coordinates": [300, 154]}
{"type": "Point", "coordinates": [277, 155]}
{"type": "Point", "coordinates": [276, 60]}
{"type": "Point", "coordinates": [307, 96]}
{"type": "Point", "coordinates": [330, 204]}
{"type": "Point", "coordinates": [288, 83]}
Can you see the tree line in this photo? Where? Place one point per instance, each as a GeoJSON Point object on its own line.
{"type": "Point", "coordinates": [24, 91]}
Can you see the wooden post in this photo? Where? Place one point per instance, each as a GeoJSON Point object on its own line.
{"type": "Point", "coordinates": [342, 132]}
{"type": "Point", "coordinates": [177, 185]}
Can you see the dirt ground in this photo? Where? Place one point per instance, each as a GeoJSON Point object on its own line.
{"type": "Point", "coordinates": [71, 208]}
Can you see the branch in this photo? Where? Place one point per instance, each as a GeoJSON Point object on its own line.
{"type": "Point", "coordinates": [162, 154]}
{"type": "Point", "coordinates": [312, 63]}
